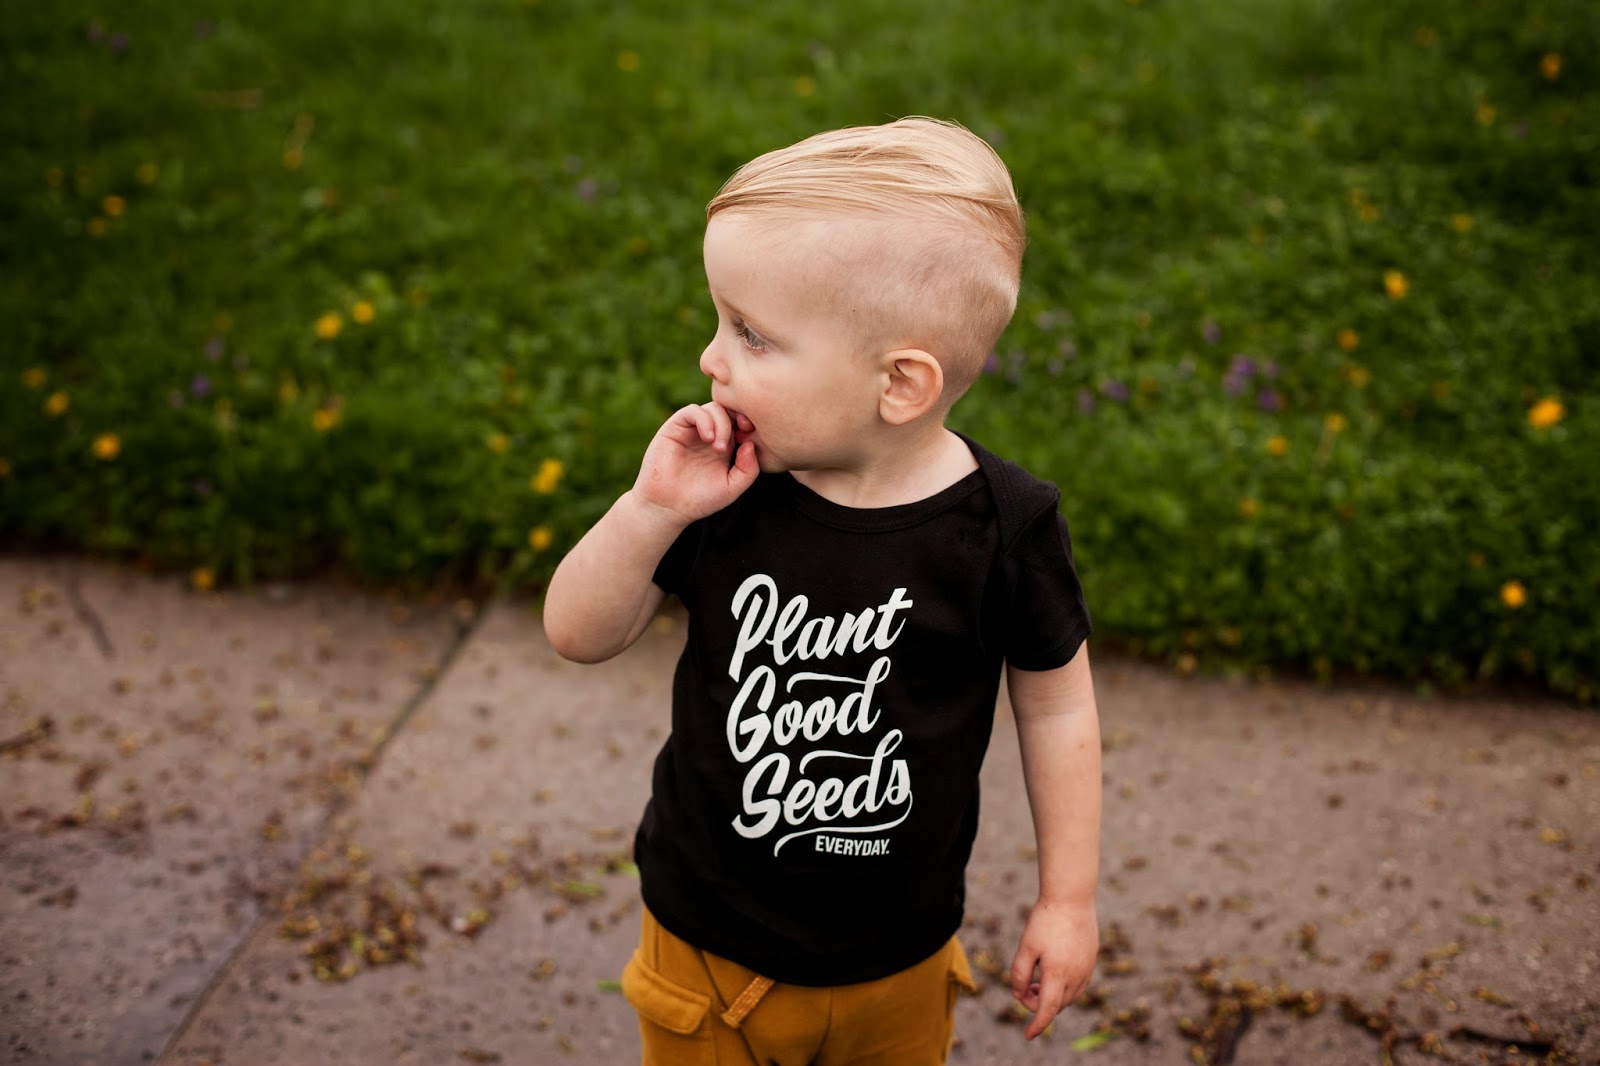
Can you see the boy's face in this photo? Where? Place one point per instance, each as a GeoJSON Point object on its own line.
{"type": "Point", "coordinates": [781, 357]}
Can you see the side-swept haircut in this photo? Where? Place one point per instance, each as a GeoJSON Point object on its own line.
{"type": "Point", "coordinates": [940, 257]}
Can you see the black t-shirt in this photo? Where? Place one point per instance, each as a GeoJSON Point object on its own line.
{"type": "Point", "coordinates": [814, 807]}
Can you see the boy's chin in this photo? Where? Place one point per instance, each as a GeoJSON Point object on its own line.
{"type": "Point", "coordinates": [769, 463]}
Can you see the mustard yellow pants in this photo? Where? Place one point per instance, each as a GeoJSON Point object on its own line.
{"type": "Point", "coordinates": [699, 1009]}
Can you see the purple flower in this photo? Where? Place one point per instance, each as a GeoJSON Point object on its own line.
{"type": "Point", "coordinates": [1242, 365]}
{"type": "Point", "coordinates": [1211, 332]}
{"type": "Point", "coordinates": [214, 348]}
{"type": "Point", "coordinates": [1046, 320]}
{"type": "Point", "coordinates": [1085, 400]}
{"type": "Point", "coordinates": [119, 43]}
{"type": "Point", "coordinates": [1269, 400]}
{"type": "Point", "coordinates": [1067, 348]}
{"type": "Point", "coordinates": [1232, 384]}
{"type": "Point", "coordinates": [587, 189]}
{"type": "Point", "coordinates": [1055, 367]}
{"type": "Point", "coordinates": [991, 365]}
{"type": "Point", "coordinates": [1116, 390]}
{"type": "Point", "coordinates": [1186, 367]}
{"type": "Point", "coordinates": [175, 399]}
{"type": "Point", "coordinates": [201, 385]}
{"type": "Point", "coordinates": [1014, 376]}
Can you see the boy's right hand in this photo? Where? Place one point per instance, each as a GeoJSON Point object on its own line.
{"type": "Point", "coordinates": [686, 469]}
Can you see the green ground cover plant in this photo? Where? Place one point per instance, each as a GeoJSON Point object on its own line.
{"type": "Point", "coordinates": [1309, 330]}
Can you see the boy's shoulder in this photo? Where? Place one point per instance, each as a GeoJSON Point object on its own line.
{"type": "Point", "coordinates": [1019, 496]}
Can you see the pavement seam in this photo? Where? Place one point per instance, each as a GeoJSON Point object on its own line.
{"type": "Point", "coordinates": [464, 635]}
{"type": "Point", "coordinates": [88, 615]}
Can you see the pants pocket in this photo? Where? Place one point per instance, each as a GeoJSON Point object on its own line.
{"type": "Point", "coordinates": [959, 977]}
{"type": "Point", "coordinates": [673, 1025]}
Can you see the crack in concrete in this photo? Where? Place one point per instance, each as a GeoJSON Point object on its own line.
{"type": "Point", "coordinates": [464, 635]}
{"type": "Point", "coordinates": [88, 616]}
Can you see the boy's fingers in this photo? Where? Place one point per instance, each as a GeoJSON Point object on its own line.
{"type": "Point", "coordinates": [1022, 972]}
{"type": "Point", "coordinates": [721, 426]}
{"type": "Point", "coordinates": [695, 418]}
{"type": "Point", "coordinates": [745, 468]}
{"type": "Point", "coordinates": [1051, 993]}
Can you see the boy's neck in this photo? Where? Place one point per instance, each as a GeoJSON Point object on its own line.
{"type": "Point", "coordinates": [904, 467]}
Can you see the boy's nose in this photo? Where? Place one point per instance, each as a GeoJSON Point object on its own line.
{"type": "Point", "coordinates": [712, 365]}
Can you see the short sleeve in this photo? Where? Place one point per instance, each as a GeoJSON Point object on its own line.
{"type": "Point", "coordinates": [1047, 620]}
{"type": "Point", "coordinates": [673, 569]}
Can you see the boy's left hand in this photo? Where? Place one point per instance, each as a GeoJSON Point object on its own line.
{"type": "Point", "coordinates": [1062, 941]}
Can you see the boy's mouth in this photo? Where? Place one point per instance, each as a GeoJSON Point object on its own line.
{"type": "Point", "coordinates": [743, 428]}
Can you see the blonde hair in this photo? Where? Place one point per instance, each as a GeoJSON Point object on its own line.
{"type": "Point", "coordinates": [939, 258]}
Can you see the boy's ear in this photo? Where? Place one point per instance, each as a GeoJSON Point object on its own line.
{"type": "Point", "coordinates": [913, 386]}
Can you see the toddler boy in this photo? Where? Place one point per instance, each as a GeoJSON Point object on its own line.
{"type": "Point", "coordinates": [856, 575]}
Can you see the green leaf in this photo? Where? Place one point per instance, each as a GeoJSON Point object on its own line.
{"type": "Point", "coordinates": [607, 984]}
{"type": "Point", "coordinates": [1090, 1041]}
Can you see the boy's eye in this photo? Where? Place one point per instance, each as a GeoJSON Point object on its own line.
{"type": "Point", "coordinates": [750, 337]}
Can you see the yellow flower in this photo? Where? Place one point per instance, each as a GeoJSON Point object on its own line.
{"type": "Point", "coordinates": [805, 85]}
{"type": "Point", "coordinates": [1395, 284]}
{"type": "Point", "coordinates": [113, 206]}
{"type": "Point", "coordinates": [54, 177]}
{"type": "Point", "coordinates": [1476, 560]}
{"type": "Point", "coordinates": [5, 467]}
{"type": "Point", "coordinates": [548, 477]}
{"type": "Point", "coordinates": [107, 445]}
{"type": "Point", "coordinates": [147, 173]}
{"type": "Point", "coordinates": [1357, 375]}
{"type": "Point", "coordinates": [1550, 66]}
{"type": "Point", "coordinates": [1461, 223]}
{"type": "Point", "coordinates": [1278, 446]}
{"type": "Point", "coordinates": [1349, 339]}
{"type": "Point", "coordinates": [498, 442]}
{"type": "Point", "coordinates": [33, 377]}
{"type": "Point", "coordinates": [329, 325]}
{"type": "Point", "coordinates": [98, 226]}
{"type": "Point", "coordinates": [203, 578]}
{"type": "Point", "coordinates": [1336, 423]}
{"type": "Point", "coordinates": [1368, 212]}
{"type": "Point", "coordinates": [1427, 37]}
{"type": "Point", "coordinates": [293, 158]}
{"type": "Point", "coordinates": [1486, 113]}
{"type": "Point", "coordinates": [1546, 413]}
{"type": "Point", "coordinates": [324, 419]}
{"type": "Point", "coordinates": [1248, 507]}
{"type": "Point", "coordinates": [628, 60]}
{"type": "Point", "coordinates": [363, 312]}
{"type": "Point", "coordinates": [540, 537]}
{"type": "Point", "coordinates": [288, 391]}
{"type": "Point", "coordinates": [56, 404]}
{"type": "Point", "coordinates": [1512, 594]}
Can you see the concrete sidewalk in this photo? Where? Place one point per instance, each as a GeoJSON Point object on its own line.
{"type": "Point", "coordinates": [306, 825]}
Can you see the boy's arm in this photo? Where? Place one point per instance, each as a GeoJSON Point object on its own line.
{"type": "Point", "coordinates": [1058, 728]}
{"type": "Point", "coordinates": [601, 596]}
